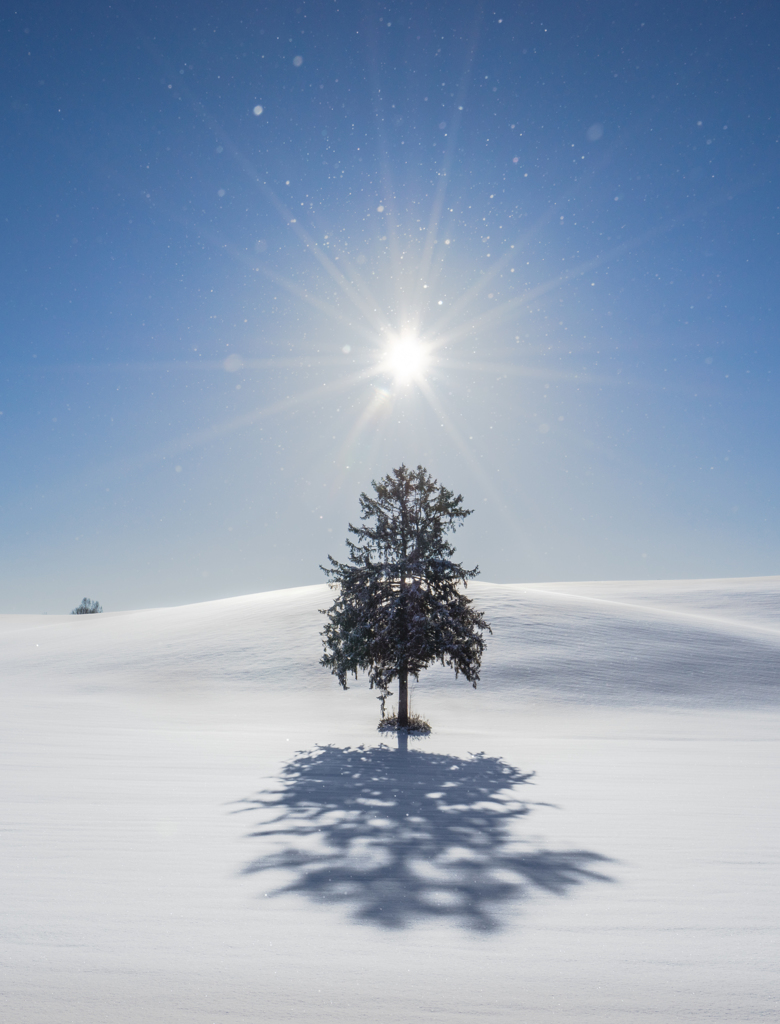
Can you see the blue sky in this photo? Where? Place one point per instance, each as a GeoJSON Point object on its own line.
{"type": "Point", "coordinates": [578, 228]}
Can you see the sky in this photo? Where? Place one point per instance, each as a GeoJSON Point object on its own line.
{"type": "Point", "coordinates": [255, 256]}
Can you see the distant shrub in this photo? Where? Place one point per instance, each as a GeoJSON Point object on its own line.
{"type": "Point", "coordinates": [87, 607]}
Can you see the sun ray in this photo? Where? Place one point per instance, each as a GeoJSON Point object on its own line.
{"type": "Point", "coordinates": [300, 292]}
{"type": "Point", "coordinates": [329, 266]}
{"type": "Point", "coordinates": [199, 438]}
{"type": "Point", "coordinates": [379, 400]}
{"type": "Point", "coordinates": [387, 204]}
{"type": "Point", "coordinates": [466, 452]}
{"type": "Point", "coordinates": [447, 161]}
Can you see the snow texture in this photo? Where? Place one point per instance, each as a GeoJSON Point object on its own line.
{"type": "Point", "coordinates": [198, 825]}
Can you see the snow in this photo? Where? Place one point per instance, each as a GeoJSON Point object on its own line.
{"type": "Point", "coordinates": [164, 769]}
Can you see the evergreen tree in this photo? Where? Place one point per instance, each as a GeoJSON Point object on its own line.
{"type": "Point", "coordinates": [87, 607]}
{"type": "Point", "coordinates": [400, 601]}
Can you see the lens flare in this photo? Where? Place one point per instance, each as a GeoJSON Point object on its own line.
{"type": "Point", "coordinates": [406, 359]}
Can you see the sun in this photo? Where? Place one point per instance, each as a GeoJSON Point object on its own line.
{"type": "Point", "coordinates": [406, 359]}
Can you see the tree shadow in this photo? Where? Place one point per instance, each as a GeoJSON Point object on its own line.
{"type": "Point", "coordinates": [401, 836]}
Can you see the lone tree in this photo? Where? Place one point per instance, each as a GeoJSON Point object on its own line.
{"type": "Point", "coordinates": [400, 601]}
{"type": "Point", "coordinates": [87, 607]}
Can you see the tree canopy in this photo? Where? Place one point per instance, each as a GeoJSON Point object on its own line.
{"type": "Point", "coordinates": [400, 599]}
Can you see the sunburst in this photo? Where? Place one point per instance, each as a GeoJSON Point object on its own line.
{"type": "Point", "coordinates": [406, 359]}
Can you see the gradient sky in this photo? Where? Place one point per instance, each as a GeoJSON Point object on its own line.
{"type": "Point", "coordinates": [218, 217]}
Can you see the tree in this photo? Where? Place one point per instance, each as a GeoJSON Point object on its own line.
{"type": "Point", "coordinates": [400, 603]}
{"type": "Point", "coordinates": [87, 607]}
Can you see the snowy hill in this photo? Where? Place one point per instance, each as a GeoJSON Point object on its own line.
{"type": "Point", "coordinates": [148, 754]}
{"type": "Point", "coordinates": [680, 642]}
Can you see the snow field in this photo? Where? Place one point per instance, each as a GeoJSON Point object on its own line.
{"type": "Point", "coordinates": [634, 876]}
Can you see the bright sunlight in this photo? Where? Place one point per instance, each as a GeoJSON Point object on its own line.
{"type": "Point", "coordinates": [406, 359]}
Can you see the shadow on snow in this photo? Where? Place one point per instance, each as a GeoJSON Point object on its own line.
{"type": "Point", "coordinates": [400, 836]}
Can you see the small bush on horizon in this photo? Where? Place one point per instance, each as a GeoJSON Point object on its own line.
{"type": "Point", "coordinates": [87, 607]}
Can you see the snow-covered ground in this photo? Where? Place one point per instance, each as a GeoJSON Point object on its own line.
{"type": "Point", "coordinates": [198, 825]}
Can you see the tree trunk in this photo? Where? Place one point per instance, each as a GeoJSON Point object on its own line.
{"type": "Point", "coordinates": [403, 698]}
